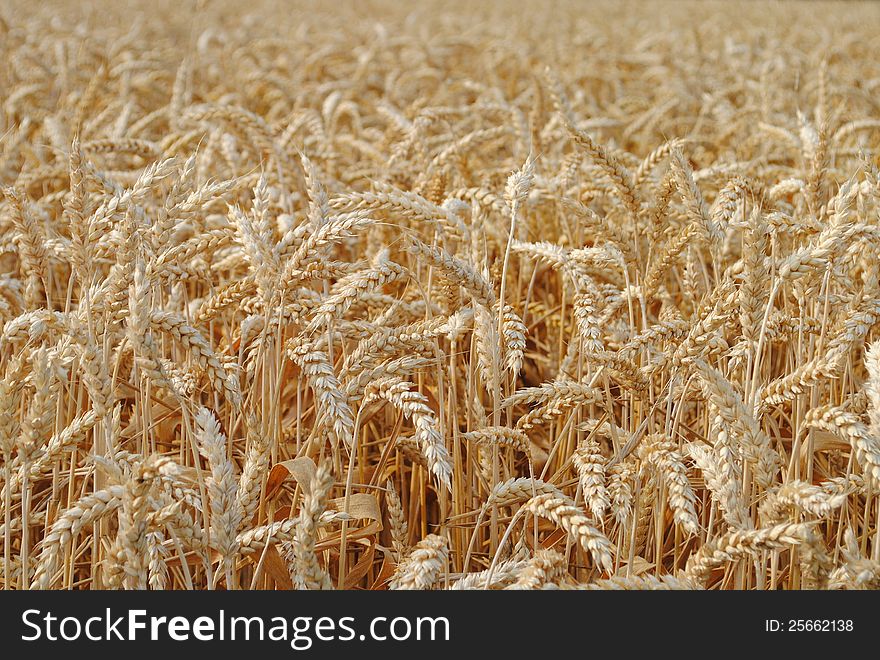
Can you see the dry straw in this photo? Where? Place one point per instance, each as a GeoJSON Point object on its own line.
{"type": "Point", "coordinates": [389, 305]}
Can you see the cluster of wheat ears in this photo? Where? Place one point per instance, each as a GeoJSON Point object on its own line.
{"type": "Point", "coordinates": [455, 296]}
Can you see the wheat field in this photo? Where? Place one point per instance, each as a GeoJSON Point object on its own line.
{"type": "Point", "coordinates": [449, 295]}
